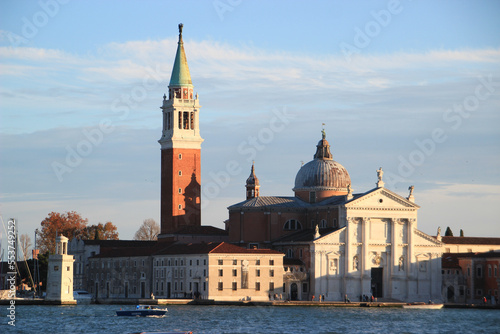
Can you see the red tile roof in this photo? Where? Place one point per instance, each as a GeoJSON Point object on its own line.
{"type": "Point", "coordinates": [471, 241]}
{"type": "Point", "coordinates": [174, 248]}
{"type": "Point", "coordinates": [225, 247]}
{"type": "Point", "coordinates": [201, 230]}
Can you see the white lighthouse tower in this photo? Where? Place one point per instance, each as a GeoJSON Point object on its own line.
{"type": "Point", "coordinates": [60, 274]}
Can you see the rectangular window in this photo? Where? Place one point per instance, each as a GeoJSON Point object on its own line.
{"type": "Point", "coordinates": [220, 287]}
{"type": "Point", "coordinates": [235, 286]}
{"type": "Point", "coordinates": [221, 262]}
{"type": "Point", "coordinates": [191, 119]}
{"type": "Point", "coordinates": [221, 273]}
{"type": "Point", "coordinates": [235, 272]}
{"type": "Point", "coordinates": [257, 286]}
{"type": "Point", "coordinates": [271, 273]}
{"type": "Point", "coordinates": [304, 287]}
{"type": "Point", "coordinates": [312, 197]}
{"type": "Point", "coordinates": [235, 262]}
{"type": "Point", "coordinates": [271, 262]}
{"type": "Point", "coordinates": [56, 268]}
{"type": "Point", "coordinates": [180, 119]}
{"type": "Point", "coordinates": [257, 263]}
{"type": "Point", "coordinates": [489, 271]}
{"type": "Point", "coordinates": [257, 273]}
{"type": "Point", "coordinates": [271, 286]}
{"type": "Point", "coordinates": [186, 121]}
{"type": "Point", "coordinates": [479, 272]}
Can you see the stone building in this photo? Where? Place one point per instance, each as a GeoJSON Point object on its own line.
{"type": "Point", "coordinates": [60, 274]}
{"type": "Point", "coordinates": [83, 250]}
{"type": "Point", "coordinates": [349, 244]}
{"type": "Point", "coordinates": [217, 271]}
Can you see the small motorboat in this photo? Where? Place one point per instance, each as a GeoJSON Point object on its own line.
{"type": "Point", "coordinates": [82, 297]}
{"type": "Point", "coordinates": [424, 306]}
{"type": "Point", "coordinates": [144, 311]}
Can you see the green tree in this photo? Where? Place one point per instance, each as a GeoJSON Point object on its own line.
{"type": "Point", "coordinates": [448, 232]}
{"type": "Point", "coordinates": [69, 224]}
{"type": "Point", "coordinates": [100, 231]}
{"type": "Point", "coordinates": [461, 232]}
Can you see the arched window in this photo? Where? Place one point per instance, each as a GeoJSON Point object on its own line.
{"type": "Point", "coordinates": [289, 253]}
{"type": "Point", "coordinates": [292, 224]}
{"type": "Point", "coordinates": [322, 223]}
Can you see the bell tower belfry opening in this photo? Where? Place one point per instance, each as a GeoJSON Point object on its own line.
{"type": "Point", "coordinates": [180, 149]}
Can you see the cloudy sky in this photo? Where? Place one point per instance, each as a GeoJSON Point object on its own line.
{"type": "Point", "coordinates": [409, 86]}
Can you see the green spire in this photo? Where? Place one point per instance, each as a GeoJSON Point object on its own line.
{"type": "Point", "coordinates": [180, 72]}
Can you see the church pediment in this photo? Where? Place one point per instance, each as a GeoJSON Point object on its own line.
{"type": "Point", "coordinates": [335, 237]}
{"type": "Point", "coordinates": [422, 239]}
{"type": "Point", "coordinates": [381, 199]}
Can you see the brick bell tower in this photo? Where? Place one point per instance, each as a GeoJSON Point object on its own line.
{"type": "Point", "coordinates": [180, 150]}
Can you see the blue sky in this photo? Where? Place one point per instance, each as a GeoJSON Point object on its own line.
{"type": "Point", "coordinates": [412, 86]}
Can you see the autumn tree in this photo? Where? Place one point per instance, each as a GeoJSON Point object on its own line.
{"type": "Point", "coordinates": [25, 244]}
{"type": "Point", "coordinates": [100, 231]}
{"type": "Point", "coordinates": [149, 230]}
{"type": "Point", "coordinates": [69, 224]}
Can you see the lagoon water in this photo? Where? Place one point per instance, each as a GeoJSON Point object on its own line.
{"type": "Point", "coordinates": [250, 319]}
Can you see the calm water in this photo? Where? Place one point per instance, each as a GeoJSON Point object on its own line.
{"type": "Point", "coordinates": [251, 319]}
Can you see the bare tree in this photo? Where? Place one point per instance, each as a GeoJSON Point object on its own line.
{"type": "Point", "coordinates": [25, 244]}
{"type": "Point", "coordinates": [149, 230]}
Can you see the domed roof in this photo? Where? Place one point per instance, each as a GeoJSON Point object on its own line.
{"type": "Point", "coordinates": [322, 173]}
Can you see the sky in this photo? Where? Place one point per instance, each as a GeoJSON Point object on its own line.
{"type": "Point", "coordinates": [409, 86]}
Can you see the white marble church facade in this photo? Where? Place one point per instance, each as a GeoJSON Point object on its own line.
{"type": "Point", "coordinates": [378, 251]}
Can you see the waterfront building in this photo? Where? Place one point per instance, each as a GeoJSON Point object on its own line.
{"type": "Point", "coordinates": [468, 244]}
{"type": "Point", "coordinates": [121, 272]}
{"type": "Point", "coordinates": [83, 250]}
{"type": "Point", "coordinates": [470, 277]}
{"type": "Point", "coordinates": [217, 271]}
{"type": "Point", "coordinates": [350, 244]}
{"type": "Point", "coordinates": [60, 274]}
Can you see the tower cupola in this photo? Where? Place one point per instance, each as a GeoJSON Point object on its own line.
{"type": "Point", "coordinates": [252, 184]}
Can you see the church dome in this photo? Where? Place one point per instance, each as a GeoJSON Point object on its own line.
{"type": "Point", "coordinates": [323, 173]}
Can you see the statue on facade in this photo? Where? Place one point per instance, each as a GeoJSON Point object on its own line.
{"type": "Point", "coordinates": [316, 232]}
{"type": "Point", "coordinates": [380, 173]}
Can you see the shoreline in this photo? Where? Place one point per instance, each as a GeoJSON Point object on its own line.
{"type": "Point", "coordinates": [21, 301]}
